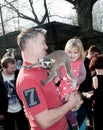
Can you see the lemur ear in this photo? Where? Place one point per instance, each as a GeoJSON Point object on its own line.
{"type": "Point", "coordinates": [53, 60]}
{"type": "Point", "coordinates": [41, 60]}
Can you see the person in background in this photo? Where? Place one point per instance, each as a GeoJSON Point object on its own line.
{"type": "Point", "coordinates": [18, 64]}
{"type": "Point", "coordinates": [74, 49]}
{"type": "Point", "coordinates": [87, 84]}
{"type": "Point", "coordinates": [91, 64]}
{"type": "Point", "coordinates": [42, 102]}
{"type": "Point", "coordinates": [11, 108]}
{"type": "Point", "coordinates": [86, 87]}
{"type": "Point", "coordinates": [97, 64]}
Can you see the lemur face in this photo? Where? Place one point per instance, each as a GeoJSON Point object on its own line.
{"type": "Point", "coordinates": [46, 63]}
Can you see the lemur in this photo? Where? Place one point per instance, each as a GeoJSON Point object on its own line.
{"type": "Point", "coordinates": [10, 52]}
{"type": "Point", "coordinates": [53, 61]}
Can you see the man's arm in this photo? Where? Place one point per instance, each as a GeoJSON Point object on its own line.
{"type": "Point", "coordinates": [48, 117]}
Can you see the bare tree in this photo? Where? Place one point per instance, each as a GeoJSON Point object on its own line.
{"type": "Point", "coordinates": [14, 14]}
{"type": "Point", "coordinates": [83, 9]}
{"type": "Point", "coordinates": [84, 14]}
{"type": "Point", "coordinates": [6, 16]}
{"type": "Point", "coordinates": [2, 22]}
{"type": "Point", "coordinates": [35, 18]}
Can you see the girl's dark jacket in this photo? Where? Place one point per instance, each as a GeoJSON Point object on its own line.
{"type": "Point", "coordinates": [3, 94]}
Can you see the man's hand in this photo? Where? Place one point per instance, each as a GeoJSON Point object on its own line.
{"type": "Point", "coordinates": [88, 95]}
{"type": "Point", "coordinates": [75, 99]}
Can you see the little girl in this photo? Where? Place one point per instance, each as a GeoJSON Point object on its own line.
{"type": "Point", "coordinates": [74, 48]}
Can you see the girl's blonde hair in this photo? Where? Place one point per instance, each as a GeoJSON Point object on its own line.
{"type": "Point", "coordinates": [75, 42]}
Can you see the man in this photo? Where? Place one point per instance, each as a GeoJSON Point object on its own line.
{"type": "Point", "coordinates": [42, 103]}
{"type": "Point", "coordinates": [11, 109]}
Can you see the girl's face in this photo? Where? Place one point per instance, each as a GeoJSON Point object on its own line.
{"type": "Point", "coordinates": [74, 54]}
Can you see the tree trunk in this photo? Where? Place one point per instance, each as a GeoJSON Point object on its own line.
{"type": "Point", "coordinates": [84, 16]}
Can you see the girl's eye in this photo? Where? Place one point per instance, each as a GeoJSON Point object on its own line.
{"type": "Point", "coordinates": [69, 52]}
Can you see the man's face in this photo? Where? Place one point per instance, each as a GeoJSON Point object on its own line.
{"type": "Point", "coordinates": [40, 46]}
{"type": "Point", "coordinates": [11, 69]}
